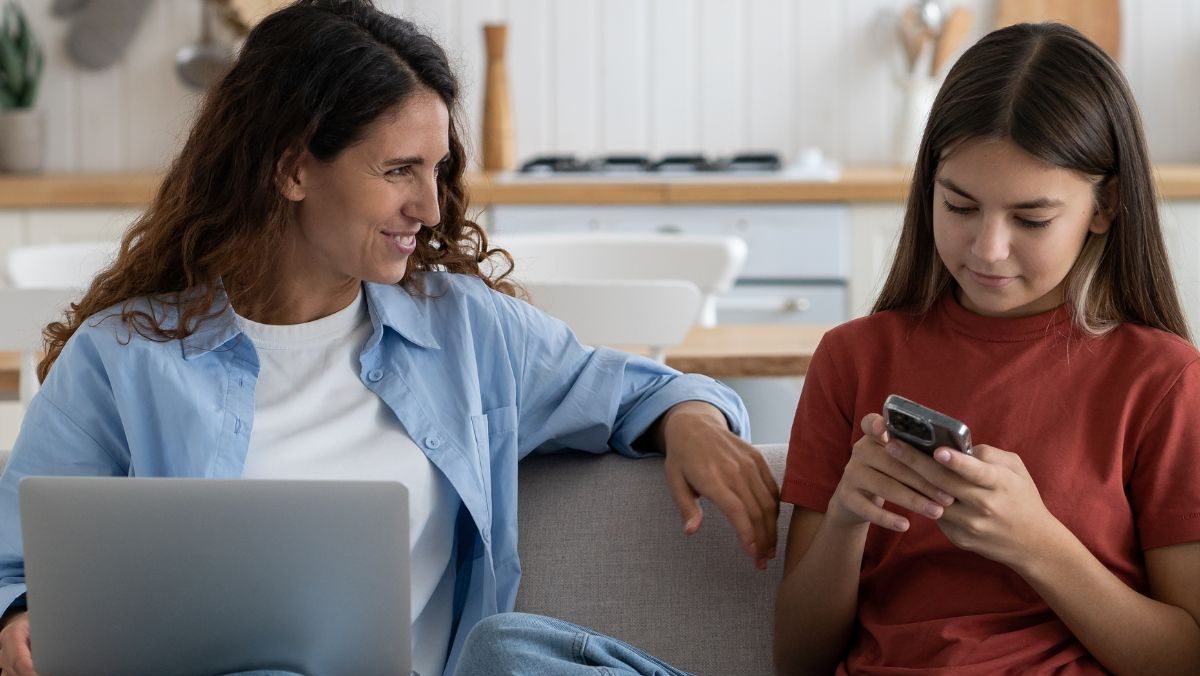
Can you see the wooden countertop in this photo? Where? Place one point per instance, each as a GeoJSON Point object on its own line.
{"type": "Point", "coordinates": [728, 351]}
{"type": "Point", "coordinates": [857, 184]}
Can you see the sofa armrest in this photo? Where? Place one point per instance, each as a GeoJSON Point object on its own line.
{"type": "Point", "coordinates": [602, 545]}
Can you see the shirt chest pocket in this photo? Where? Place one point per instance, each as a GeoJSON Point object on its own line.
{"type": "Point", "coordinates": [496, 443]}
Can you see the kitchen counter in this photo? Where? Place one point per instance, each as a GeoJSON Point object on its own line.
{"type": "Point", "coordinates": [857, 184]}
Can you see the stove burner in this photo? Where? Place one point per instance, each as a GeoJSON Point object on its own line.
{"type": "Point", "coordinates": [638, 164]}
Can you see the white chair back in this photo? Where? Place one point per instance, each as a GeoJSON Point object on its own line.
{"type": "Point", "coordinates": [711, 262]}
{"type": "Point", "coordinates": [26, 312]}
{"type": "Point", "coordinates": [46, 277]}
{"type": "Point", "coordinates": [654, 314]}
{"type": "Point", "coordinates": [58, 266]}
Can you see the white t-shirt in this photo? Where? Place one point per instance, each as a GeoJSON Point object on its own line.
{"type": "Point", "coordinates": [315, 419]}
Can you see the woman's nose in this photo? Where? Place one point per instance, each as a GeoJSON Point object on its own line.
{"type": "Point", "coordinates": [424, 205]}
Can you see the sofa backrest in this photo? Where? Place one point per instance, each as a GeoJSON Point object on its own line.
{"type": "Point", "coordinates": [602, 545]}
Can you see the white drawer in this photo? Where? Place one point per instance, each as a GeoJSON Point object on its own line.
{"type": "Point", "coordinates": [783, 242]}
{"type": "Point", "coordinates": [783, 304]}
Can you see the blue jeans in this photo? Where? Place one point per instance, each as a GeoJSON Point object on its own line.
{"type": "Point", "coordinates": [518, 644]}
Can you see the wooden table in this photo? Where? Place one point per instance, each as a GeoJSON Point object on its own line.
{"type": "Point", "coordinates": [730, 351]}
{"type": "Point", "coordinates": [747, 350]}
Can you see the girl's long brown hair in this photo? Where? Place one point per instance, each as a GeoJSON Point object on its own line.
{"type": "Point", "coordinates": [1058, 96]}
{"type": "Point", "coordinates": [312, 76]}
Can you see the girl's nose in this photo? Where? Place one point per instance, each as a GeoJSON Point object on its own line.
{"type": "Point", "coordinates": [991, 242]}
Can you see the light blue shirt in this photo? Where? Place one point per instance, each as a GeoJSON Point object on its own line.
{"type": "Point", "coordinates": [477, 378]}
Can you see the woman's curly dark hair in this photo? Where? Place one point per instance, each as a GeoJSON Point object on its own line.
{"type": "Point", "coordinates": [312, 76]}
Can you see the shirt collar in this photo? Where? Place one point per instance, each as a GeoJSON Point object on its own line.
{"type": "Point", "coordinates": [213, 332]}
{"type": "Point", "coordinates": [393, 306]}
{"type": "Point", "coordinates": [390, 305]}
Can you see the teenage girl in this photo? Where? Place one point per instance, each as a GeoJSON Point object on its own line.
{"type": "Point", "coordinates": [1030, 298]}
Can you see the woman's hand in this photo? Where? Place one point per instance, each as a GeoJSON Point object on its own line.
{"type": "Point", "coordinates": [705, 458]}
{"type": "Point", "coordinates": [873, 477]}
{"type": "Point", "coordinates": [16, 657]}
{"type": "Point", "coordinates": [998, 512]}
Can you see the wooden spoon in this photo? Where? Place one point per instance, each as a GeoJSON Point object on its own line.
{"type": "Point", "coordinates": [954, 33]}
{"type": "Point", "coordinates": [912, 35]}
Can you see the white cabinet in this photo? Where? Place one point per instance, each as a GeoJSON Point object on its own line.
{"type": "Point", "coordinates": [1181, 225]}
{"type": "Point", "coordinates": [874, 230]}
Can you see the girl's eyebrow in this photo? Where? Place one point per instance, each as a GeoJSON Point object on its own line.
{"type": "Point", "coordinates": [1038, 203]}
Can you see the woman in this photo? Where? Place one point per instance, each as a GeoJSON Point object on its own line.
{"type": "Point", "coordinates": [304, 298]}
{"type": "Point", "coordinates": [1031, 298]}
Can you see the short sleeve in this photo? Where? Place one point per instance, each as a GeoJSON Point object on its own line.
{"type": "Point", "coordinates": [1165, 483]}
{"type": "Point", "coordinates": [823, 431]}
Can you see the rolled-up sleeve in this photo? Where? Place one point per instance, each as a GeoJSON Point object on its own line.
{"type": "Point", "coordinates": [573, 396]}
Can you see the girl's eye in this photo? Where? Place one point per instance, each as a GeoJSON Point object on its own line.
{"type": "Point", "coordinates": [955, 209]}
{"type": "Point", "coordinates": [1032, 224]}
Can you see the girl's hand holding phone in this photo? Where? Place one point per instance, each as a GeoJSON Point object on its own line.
{"type": "Point", "coordinates": [873, 477]}
{"type": "Point", "coordinates": [997, 512]}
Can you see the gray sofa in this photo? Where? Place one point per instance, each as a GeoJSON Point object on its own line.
{"type": "Point", "coordinates": [602, 545]}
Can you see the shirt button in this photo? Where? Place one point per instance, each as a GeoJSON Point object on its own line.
{"type": "Point", "coordinates": [432, 442]}
{"type": "Point", "coordinates": [375, 375]}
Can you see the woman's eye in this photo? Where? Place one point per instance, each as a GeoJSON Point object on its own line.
{"type": "Point", "coordinates": [957, 209]}
{"type": "Point", "coordinates": [400, 171]}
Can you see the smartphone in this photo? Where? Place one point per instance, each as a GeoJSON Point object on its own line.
{"type": "Point", "coordinates": [924, 428]}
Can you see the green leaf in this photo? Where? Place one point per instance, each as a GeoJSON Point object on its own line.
{"type": "Point", "coordinates": [10, 63]}
{"type": "Point", "coordinates": [21, 58]}
{"type": "Point", "coordinates": [6, 100]}
{"type": "Point", "coordinates": [29, 96]}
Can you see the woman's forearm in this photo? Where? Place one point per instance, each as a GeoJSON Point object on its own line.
{"type": "Point", "coordinates": [817, 600]}
{"type": "Point", "coordinates": [1127, 632]}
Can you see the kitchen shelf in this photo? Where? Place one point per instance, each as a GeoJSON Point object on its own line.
{"type": "Point", "coordinates": [856, 184]}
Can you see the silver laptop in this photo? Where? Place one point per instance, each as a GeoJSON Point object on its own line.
{"type": "Point", "coordinates": [186, 577]}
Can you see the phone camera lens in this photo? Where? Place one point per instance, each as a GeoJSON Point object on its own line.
{"type": "Point", "coordinates": [909, 426]}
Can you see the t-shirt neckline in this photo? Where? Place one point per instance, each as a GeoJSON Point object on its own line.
{"type": "Point", "coordinates": [1003, 329]}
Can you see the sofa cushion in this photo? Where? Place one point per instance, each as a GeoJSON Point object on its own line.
{"type": "Point", "coordinates": [602, 545]}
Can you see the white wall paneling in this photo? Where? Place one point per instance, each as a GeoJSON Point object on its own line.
{"type": "Point", "coordinates": [674, 105]}
{"type": "Point", "coordinates": [721, 96]}
{"type": "Point", "coordinates": [595, 76]}
{"type": "Point", "coordinates": [574, 71]}
{"type": "Point", "coordinates": [624, 83]}
{"type": "Point", "coordinates": [770, 75]}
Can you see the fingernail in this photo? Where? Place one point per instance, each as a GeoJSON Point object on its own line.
{"type": "Point", "coordinates": [933, 509]}
{"type": "Point", "coordinates": [942, 455]}
{"type": "Point", "coordinates": [945, 498]}
{"type": "Point", "coordinates": [901, 525]}
{"type": "Point", "coordinates": [762, 564]}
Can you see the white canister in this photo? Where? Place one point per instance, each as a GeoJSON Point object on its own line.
{"type": "Point", "coordinates": [22, 138]}
{"type": "Point", "coordinates": [917, 92]}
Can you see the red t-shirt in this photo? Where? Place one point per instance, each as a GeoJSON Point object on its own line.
{"type": "Point", "coordinates": [1106, 426]}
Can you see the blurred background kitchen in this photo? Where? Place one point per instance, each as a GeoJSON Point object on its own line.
{"type": "Point", "coordinates": [785, 123]}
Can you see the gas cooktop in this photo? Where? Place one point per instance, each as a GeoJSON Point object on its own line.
{"type": "Point", "coordinates": [642, 164]}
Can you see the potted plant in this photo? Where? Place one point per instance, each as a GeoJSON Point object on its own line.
{"type": "Point", "coordinates": [21, 126]}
